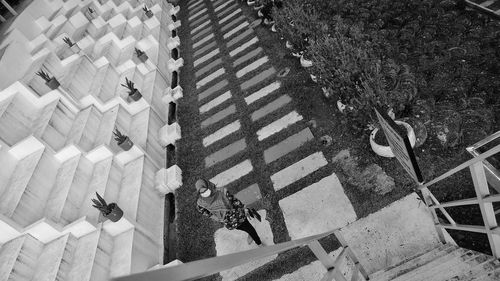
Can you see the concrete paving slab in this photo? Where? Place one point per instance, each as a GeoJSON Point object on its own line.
{"type": "Point", "coordinates": [232, 23]}
{"type": "Point", "coordinates": [192, 5]}
{"type": "Point", "coordinates": [219, 72]}
{"type": "Point", "coordinates": [249, 195]}
{"type": "Point", "coordinates": [226, 10]}
{"type": "Point", "coordinates": [240, 37]}
{"type": "Point", "coordinates": [234, 30]}
{"type": "Point", "coordinates": [317, 208]}
{"type": "Point", "coordinates": [222, 133]}
{"type": "Point", "coordinates": [243, 47]}
{"type": "Point", "coordinates": [220, 7]}
{"type": "Point", "coordinates": [233, 173]}
{"type": "Point", "coordinates": [215, 102]}
{"type": "Point", "coordinates": [270, 107]}
{"type": "Point", "coordinates": [199, 27]}
{"type": "Point", "coordinates": [262, 92]}
{"type": "Point", "coordinates": [203, 40]}
{"type": "Point", "coordinates": [228, 17]}
{"type": "Point", "coordinates": [199, 21]}
{"type": "Point", "coordinates": [233, 241]}
{"type": "Point", "coordinates": [219, 116]}
{"type": "Point", "coordinates": [204, 10]}
{"type": "Point", "coordinates": [206, 57]}
{"type": "Point", "coordinates": [208, 67]}
{"type": "Point", "coordinates": [201, 33]}
{"type": "Point", "coordinates": [288, 145]}
{"type": "Point", "coordinates": [278, 125]}
{"type": "Point", "coordinates": [251, 67]}
{"type": "Point", "coordinates": [208, 92]}
{"type": "Point", "coordinates": [258, 78]}
{"type": "Point", "coordinates": [312, 271]}
{"type": "Point", "coordinates": [298, 170]}
{"type": "Point", "coordinates": [247, 56]}
{"type": "Point", "coordinates": [205, 48]}
{"type": "Point", "coordinates": [391, 235]}
{"type": "Point", "coordinates": [225, 153]}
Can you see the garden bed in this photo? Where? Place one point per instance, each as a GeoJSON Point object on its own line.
{"type": "Point", "coordinates": [435, 63]}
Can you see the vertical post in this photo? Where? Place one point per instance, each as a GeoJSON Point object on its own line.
{"type": "Point", "coordinates": [428, 201]}
{"type": "Point", "coordinates": [487, 212]}
{"type": "Point", "coordinates": [325, 259]}
{"type": "Point", "coordinates": [11, 10]}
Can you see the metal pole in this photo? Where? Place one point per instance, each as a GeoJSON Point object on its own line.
{"type": "Point", "coordinates": [11, 10]}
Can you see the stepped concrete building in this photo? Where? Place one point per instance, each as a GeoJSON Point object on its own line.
{"type": "Point", "coordinates": [56, 141]}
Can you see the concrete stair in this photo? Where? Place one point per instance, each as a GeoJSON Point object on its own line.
{"type": "Point", "coordinates": [447, 262]}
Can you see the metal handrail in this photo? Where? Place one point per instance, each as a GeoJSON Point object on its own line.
{"type": "Point", "coordinates": [483, 199]}
{"type": "Point", "coordinates": [206, 267]}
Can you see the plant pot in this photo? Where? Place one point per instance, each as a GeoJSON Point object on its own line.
{"type": "Point", "coordinates": [75, 48]}
{"type": "Point", "coordinates": [288, 45]}
{"type": "Point", "coordinates": [136, 95]}
{"type": "Point", "coordinates": [143, 57]}
{"type": "Point", "coordinates": [258, 7]}
{"type": "Point", "coordinates": [250, 2]}
{"type": "Point", "coordinates": [341, 106]}
{"type": "Point", "coordinates": [273, 28]}
{"type": "Point", "coordinates": [116, 213]}
{"type": "Point", "coordinates": [53, 83]}
{"type": "Point", "coordinates": [326, 92]}
{"type": "Point", "coordinates": [126, 145]}
{"type": "Point", "coordinates": [314, 78]}
{"type": "Point", "coordinates": [149, 14]}
{"type": "Point", "coordinates": [305, 62]}
{"type": "Point", "coordinates": [385, 151]}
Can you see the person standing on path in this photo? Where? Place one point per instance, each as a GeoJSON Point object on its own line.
{"type": "Point", "coordinates": [222, 206]}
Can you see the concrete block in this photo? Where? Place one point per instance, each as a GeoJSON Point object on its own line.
{"type": "Point", "coordinates": [173, 43]}
{"type": "Point", "coordinates": [174, 65]}
{"type": "Point", "coordinates": [116, 228]}
{"type": "Point", "coordinates": [168, 134]}
{"type": "Point", "coordinates": [174, 177]}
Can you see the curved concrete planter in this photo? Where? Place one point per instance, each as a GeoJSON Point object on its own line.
{"type": "Point", "coordinates": [385, 151]}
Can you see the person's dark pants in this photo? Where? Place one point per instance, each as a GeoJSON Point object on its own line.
{"type": "Point", "coordinates": [248, 228]}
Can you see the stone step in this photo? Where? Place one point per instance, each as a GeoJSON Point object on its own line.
{"type": "Point", "coordinates": [51, 178]}
{"type": "Point", "coordinates": [23, 267]}
{"type": "Point", "coordinates": [26, 114]}
{"type": "Point", "coordinates": [80, 267]}
{"type": "Point", "coordinates": [19, 163]}
{"type": "Point", "coordinates": [51, 257]}
{"type": "Point", "coordinates": [102, 260]}
{"type": "Point", "coordinates": [412, 263]}
{"type": "Point", "coordinates": [455, 262]}
{"type": "Point", "coordinates": [9, 253]}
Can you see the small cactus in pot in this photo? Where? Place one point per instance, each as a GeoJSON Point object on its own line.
{"type": "Point", "coordinates": [122, 140]}
{"type": "Point", "coordinates": [147, 11]}
{"type": "Point", "coordinates": [51, 82]}
{"type": "Point", "coordinates": [141, 55]}
{"type": "Point", "coordinates": [109, 211]}
{"type": "Point", "coordinates": [73, 46]}
{"type": "Point", "coordinates": [133, 93]}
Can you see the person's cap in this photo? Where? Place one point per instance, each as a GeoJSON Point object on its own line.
{"type": "Point", "coordinates": [200, 184]}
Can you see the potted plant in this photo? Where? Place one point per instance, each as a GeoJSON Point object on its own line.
{"type": "Point", "coordinates": [109, 211]}
{"type": "Point", "coordinates": [147, 11]}
{"type": "Point", "coordinates": [133, 93]}
{"type": "Point", "coordinates": [305, 60]}
{"type": "Point", "coordinates": [383, 149]}
{"type": "Point", "coordinates": [72, 45]}
{"type": "Point", "coordinates": [250, 2]}
{"type": "Point", "coordinates": [51, 82]}
{"type": "Point", "coordinates": [122, 140]}
{"type": "Point", "coordinates": [141, 55]}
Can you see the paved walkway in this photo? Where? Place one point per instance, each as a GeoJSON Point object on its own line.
{"type": "Point", "coordinates": [256, 142]}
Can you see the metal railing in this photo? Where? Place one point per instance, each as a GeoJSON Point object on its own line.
{"type": "Point", "coordinates": [484, 199]}
{"type": "Point", "coordinates": [9, 8]}
{"type": "Point", "coordinates": [202, 268]}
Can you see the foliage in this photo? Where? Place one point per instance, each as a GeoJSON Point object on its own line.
{"type": "Point", "coordinates": [299, 23]}
{"type": "Point", "coordinates": [68, 41]}
{"type": "Point", "coordinates": [45, 76]}
{"type": "Point", "coordinates": [119, 137]}
{"type": "Point", "coordinates": [139, 52]}
{"type": "Point", "coordinates": [130, 86]}
{"type": "Point", "coordinates": [145, 9]}
{"type": "Point", "coordinates": [101, 205]}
